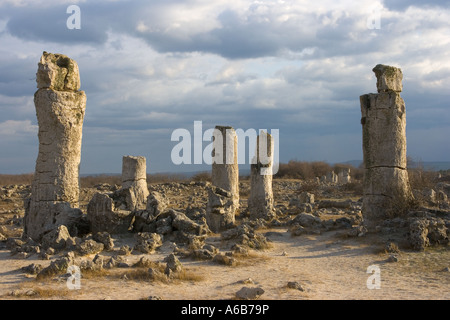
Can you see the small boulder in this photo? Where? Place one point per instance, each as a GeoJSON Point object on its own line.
{"type": "Point", "coordinates": [89, 247]}
{"type": "Point", "coordinates": [247, 293]}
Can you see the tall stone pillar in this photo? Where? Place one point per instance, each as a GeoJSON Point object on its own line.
{"type": "Point", "coordinates": [60, 110]}
{"type": "Point", "coordinates": [134, 181]}
{"type": "Point", "coordinates": [224, 176]}
{"type": "Point", "coordinates": [384, 146]}
{"type": "Point", "coordinates": [260, 201]}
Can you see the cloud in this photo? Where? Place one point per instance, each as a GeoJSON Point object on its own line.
{"type": "Point", "coordinates": [12, 128]}
{"type": "Point", "coordinates": [149, 68]}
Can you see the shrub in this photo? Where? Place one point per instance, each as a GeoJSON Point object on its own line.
{"type": "Point", "coordinates": [10, 179]}
{"type": "Point", "coordinates": [302, 170]}
{"type": "Point", "coordinates": [202, 176]}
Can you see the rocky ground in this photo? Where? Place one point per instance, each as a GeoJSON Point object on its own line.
{"type": "Point", "coordinates": [316, 248]}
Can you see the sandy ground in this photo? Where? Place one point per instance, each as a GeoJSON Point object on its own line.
{"type": "Point", "coordinates": [328, 266]}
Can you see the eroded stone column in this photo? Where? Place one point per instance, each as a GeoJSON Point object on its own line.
{"type": "Point", "coordinates": [344, 176]}
{"type": "Point", "coordinates": [384, 146]}
{"type": "Point", "coordinates": [224, 175]}
{"type": "Point", "coordinates": [60, 110]}
{"type": "Point", "coordinates": [260, 201]}
{"type": "Point", "coordinates": [134, 182]}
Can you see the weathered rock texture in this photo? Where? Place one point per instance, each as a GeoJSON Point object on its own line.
{"type": "Point", "coordinates": [260, 201]}
{"type": "Point", "coordinates": [60, 110]}
{"type": "Point", "coordinates": [384, 146]}
{"type": "Point", "coordinates": [106, 215]}
{"type": "Point", "coordinates": [220, 213]}
{"type": "Point", "coordinates": [225, 176]}
{"type": "Point", "coordinates": [134, 181]}
{"type": "Point", "coordinates": [113, 213]}
{"type": "Point", "coordinates": [332, 177]}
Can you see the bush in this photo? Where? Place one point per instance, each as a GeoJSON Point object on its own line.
{"type": "Point", "coordinates": [202, 176]}
{"type": "Point", "coordinates": [91, 181]}
{"type": "Point", "coordinates": [10, 179]}
{"type": "Point", "coordinates": [302, 170]}
{"type": "Point", "coordinates": [166, 177]}
{"type": "Point", "coordinates": [356, 187]}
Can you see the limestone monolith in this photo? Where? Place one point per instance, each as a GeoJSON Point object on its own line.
{"type": "Point", "coordinates": [383, 122]}
{"type": "Point", "coordinates": [60, 109]}
{"type": "Point", "coordinates": [260, 201]}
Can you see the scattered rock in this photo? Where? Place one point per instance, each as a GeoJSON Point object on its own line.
{"type": "Point", "coordinates": [247, 293]}
{"type": "Point", "coordinates": [152, 298]}
{"type": "Point", "coordinates": [357, 231]}
{"type": "Point", "coordinates": [124, 250]}
{"type": "Point", "coordinates": [247, 281]}
{"type": "Point", "coordinates": [426, 231]}
{"type": "Point", "coordinates": [89, 247]}
{"type": "Point", "coordinates": [307, 220]}
{"type": "Point", "coordinates": [56, 267]}
{"type": "Point", "coordinates": [339, 204]}
{"type": "Point", "coordinates": [221, 258]}
{"type": "Point", "coordinates": [147, 242]}
{"type": "Point", "coordinates": [392, 258]}
{"type": "Point", "coordinates": [144, 262]}
{"type": "Point", "coordinates": [391, 248]}
{"type": "Point", "coordinates": [155, 274]}
{"type": "Point", "coordinates": [105, 238]}
{"type": "Point", "coordinates": [173, 265]}
{"type": "Point", "coordinates": [56, 238]}
{"type": "Point", "coordinates": [295, 285]}
{"type": "Point", "coordinates": [32, 268]}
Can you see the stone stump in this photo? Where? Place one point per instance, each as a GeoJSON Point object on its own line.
{"type": "Point", "coordinates": [260, 201]}
{"type": "Point", "coordinates": [134, 182]}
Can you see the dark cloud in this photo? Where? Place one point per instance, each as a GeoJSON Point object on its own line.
{"type": "Point", "coordinates": [48, 23]}
{"type": "Point", "coordinates": [146, 72]}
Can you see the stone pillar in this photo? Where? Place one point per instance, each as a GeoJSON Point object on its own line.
{"type": "Point", "coordinates": [260, 201]}
{"type": "Point", "coordinates": [60, 110]}
{"type": "Point", "coordinates": [225, 176]}
{"type": "Point", "coordinates": [384, 146]}
{"type": "Point", "coordinates": [134, 182]}
{"type": "Point", "coordinates": [344, 176]}
{"type": "Point", "coordinates": [332, 177]}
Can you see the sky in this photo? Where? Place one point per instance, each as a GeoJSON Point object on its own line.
{"type": "Point", "coordinates": [151, 67]}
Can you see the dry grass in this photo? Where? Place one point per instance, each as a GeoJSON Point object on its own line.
{"type": "Point", "coordinates": [142, 274]}
{"type": "Point", "coordinates": [39, 291]}
{"type": "Point", "coordinates": [11, 179]}
{"type": "Point", "coordinates": [202, 176]}
{"type": "Point", "coordinates": [251, 258]}
{"type": "Point", "coordinates": [303, 170]}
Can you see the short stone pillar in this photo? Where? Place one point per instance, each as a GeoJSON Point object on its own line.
{"type": "Point", "coordinates": [384, 146]}
{"type": "Point", "coordinates": [60, 110]}
{"type": "Point", "coordinates": [134, 182]}
{"type": "Point", "coordinates": [332, 177]}
{"type": "Point", "coordinates": [260, 201]}
{"type": "Point", "coordinates": [225, 176]}
{"type": "Point", "coordinates": [344, 176]}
